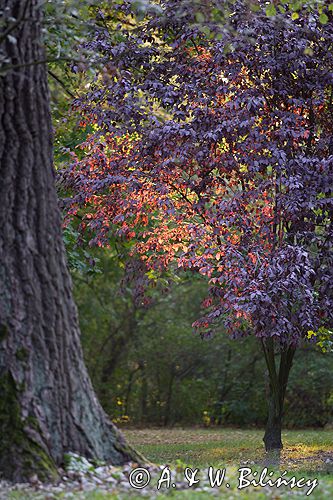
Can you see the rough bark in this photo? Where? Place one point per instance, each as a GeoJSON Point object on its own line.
{"type": "Point", "coordinates": [277, 389]}
{"type": "Point", "coordinates": [47, 403]}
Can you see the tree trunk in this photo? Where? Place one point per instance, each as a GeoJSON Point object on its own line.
{"type": "Point", "coordinates": [276, 394]}
{"type": "Point", "coordinates": [272, 438]}
{"type": "Point", "coordinates": [144, 393]}
{"type": "Point", "coordinates": [47, 403]}
{"type": "Point", "coordinates": [129, 388]}
{"type": "Point", "coordinates": [169, 398]}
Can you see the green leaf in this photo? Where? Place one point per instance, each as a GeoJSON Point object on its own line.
{"type": "Point", "coordinates": [296, 6]}
{"type": "Point", "coordinates": [323, 18]}
{"type": "Point", "coordinates": [270, 10]}
{"type": "Point", "coordinates": [294, 16]}
{"type": "Point", "coordinates": [206, 31]}
{"type": "Point", "coordinates": [254, 7]}
{"type": "Point", "coordinates": [199, 17]}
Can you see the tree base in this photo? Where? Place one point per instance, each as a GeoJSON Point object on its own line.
{"type": "Point", "coordinates": [22, 452]}
{"type": "Point", "coordinates": [21, 457]}
{"type": "Point", "coordinates": [272, 438]}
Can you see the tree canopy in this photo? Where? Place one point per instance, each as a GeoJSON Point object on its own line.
{"type": "Point", "coordinates": [215, 153]}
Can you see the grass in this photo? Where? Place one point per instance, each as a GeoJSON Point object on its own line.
{"type": "Point", "coordinates": [304, 450]}
{"type": "Point", "coordinates": [306, 453]}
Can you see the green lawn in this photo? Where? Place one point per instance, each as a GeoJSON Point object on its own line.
{"type": "Point", "coordinates": [304, 450]}
{"type": "Point", "coordinates": [306, 453]}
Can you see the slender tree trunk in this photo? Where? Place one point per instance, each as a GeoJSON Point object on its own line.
{"type": "Point", "coordinates": [129, 388]}
{"type": "Point", "coordinates": [47, 403]}
{"type": "Point", "coordinates": [144, 393]}
{"type": "Point", "coordinates": [272, 437]}
{"type": "Point", "coordinates": [222, 390]}
{"type": "Point", "coordinates": [277, 389]}
{"type": "Point", "coordinates": [169, 398]}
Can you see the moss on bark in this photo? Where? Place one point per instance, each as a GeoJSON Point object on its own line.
{"type": "Point", "coordinates": [3, 332]}
{"type": "Point", "coordinates": [20, 456]}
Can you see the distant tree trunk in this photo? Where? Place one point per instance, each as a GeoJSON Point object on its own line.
{"type": "Point", "coordinates": [276, 394]}
{"type": "Point", "coordinates": [129, 388]}
{"type": "Point", "coordinates": [169, 398]}
{"type": "Point", "coordinates": [144, 392]}
{"type": "Point", "coordinates": [119, 344]}
{"type": "Point", "coordinates": [223, 390]}
{"type": "Point", "coordinates": [47, 403]}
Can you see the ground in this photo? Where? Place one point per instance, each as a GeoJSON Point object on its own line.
{"type": "Point", "coordinates": [305, 450]}
{"type": "Point", "coordinates": [307, 454]}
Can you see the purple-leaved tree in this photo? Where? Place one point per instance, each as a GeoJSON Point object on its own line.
{"type": "Point", "coordinates": [213, 149]}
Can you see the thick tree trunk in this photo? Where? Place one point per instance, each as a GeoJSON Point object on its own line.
{"type": "Point", "coordinates": [278, 381]}
{"type": "Point", "coordinates": [47, 403]}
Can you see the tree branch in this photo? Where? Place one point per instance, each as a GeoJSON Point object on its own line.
{"type": "Point", "coordinates": [57, 79]}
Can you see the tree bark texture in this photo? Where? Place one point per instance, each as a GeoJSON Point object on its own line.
{"type": "Point", "coordinates": [47, 403]}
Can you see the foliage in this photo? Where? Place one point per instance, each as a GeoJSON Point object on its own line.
{"type": "Point", "coordinates": [324, 338]}
{"type": "Point", "coordinates": [79, 258]}
{"type": "Point", "coordinates": [216, 153]}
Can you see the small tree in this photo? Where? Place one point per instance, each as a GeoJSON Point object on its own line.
{"type": "Point", "coordinates": [213, 149]}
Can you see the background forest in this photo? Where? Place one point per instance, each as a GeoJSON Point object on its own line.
{"type": "Point", "coordinates": [149, 368]}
